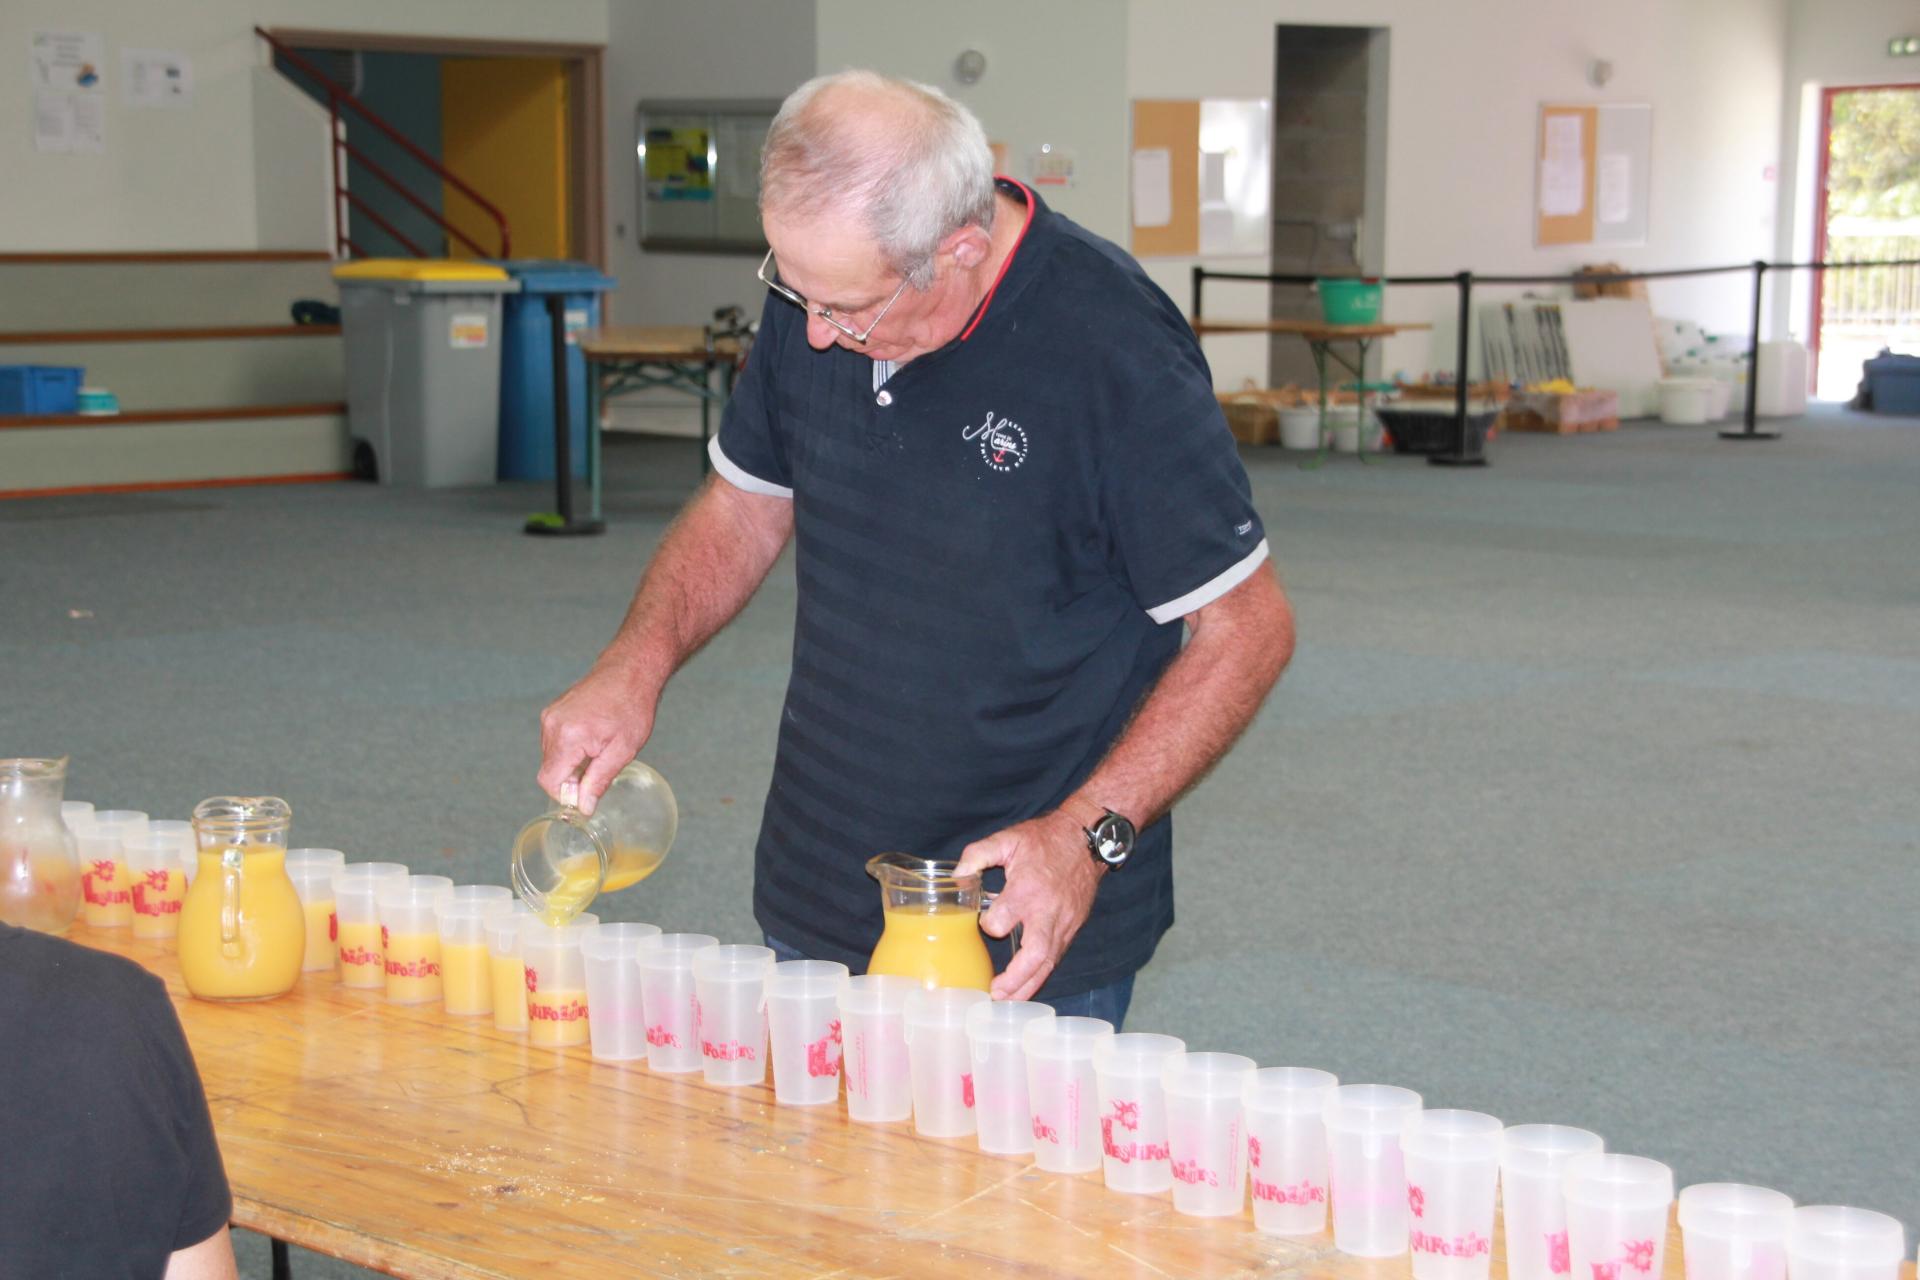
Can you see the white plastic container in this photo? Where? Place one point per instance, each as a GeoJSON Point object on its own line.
{"type": "Point", "coordinates": [1617, 1216]}
{"type": "Point", "coordinates": [1287, 1148]}
{"type": "Point", "coordinates": [1533, 1208]}
{"type": "Point", "coordinates": [410, 937]}
{"type": "Point", "coordinates": [1206, 1138]}
{"type": "Point", "coordinates": [1837, 1242]}
{"type": "Point", "coordinates": [1783, 380]}
{"type": "Point", "coordinates": [731, 984]}
{"type": "Point", "coordinates": [1730, 1231]}
{"type": "Point", "coordinates": [1133, 1110]}
{"type": "Point", "coordinates": [362, 954]}
{"type": "Point", "coordinates": [1368, 1173]}
{"type": "Point", "coordinates": [873, 1031]}
{"type": "Point", "coordinates": [1344, 422]}
{"type": "Point", "coordinates": [666, 988]}
{"type": "Point", "coordinates": [1062, 1092]}
{"type": "Point", "coordinates": [803, 1031]}
{"type": "Point", "coordinates": [617, 1014]}
{"type": "Point", "coordinates": [1300, 428]}
{"type": "Point", "coordinates": [1453, 1168]}
{"type": "Point", "coordinates": [556, 972]}
{"type": "Point", "coordinates": [1686, 402]}
{"type": "Point", "coordinates": [1002, 1112]}
{"type": "Point", "coordinates": [938, 1056]}
{"type": "Point", "coordinates": [466, 964]}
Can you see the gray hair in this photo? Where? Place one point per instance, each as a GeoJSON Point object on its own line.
{"type": "Point", "coordinates": [911, 163]}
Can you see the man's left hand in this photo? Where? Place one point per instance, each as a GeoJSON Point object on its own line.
{"type": "Point", "coordinates": [1051, 880]}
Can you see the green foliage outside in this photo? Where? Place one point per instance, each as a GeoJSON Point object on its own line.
{"type": "Point", "coordinates": [1874, 157]}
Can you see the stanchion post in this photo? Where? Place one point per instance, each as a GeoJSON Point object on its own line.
{"type": "Point", "coordinates": [1466, 451]}
{"type": "Point", "coordinates": [563, 524]}
{"type": "Point", "coordinates": [1751, 430]}
{"type": "Point", "coordinates": [1199, 274]}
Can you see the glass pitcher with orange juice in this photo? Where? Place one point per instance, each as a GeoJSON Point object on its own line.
{"type": "Point", "coordinates": [932, 931]}
{"type": "Point", "coordinates": [564, 859]}
{"type": "Point", "coordinates": [243, 933]}
{"type": "Point", "coordinates": [39, 861]}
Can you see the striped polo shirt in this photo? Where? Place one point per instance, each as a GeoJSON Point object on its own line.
{"type": "Point", "coordinates": [994, 545]}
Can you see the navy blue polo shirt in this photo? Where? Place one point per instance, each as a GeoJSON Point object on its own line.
{"type": "Point", "coordinates": [994, 549]}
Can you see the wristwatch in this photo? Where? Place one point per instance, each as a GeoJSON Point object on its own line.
{"type": "Point", "coordinates": [1110, 840]}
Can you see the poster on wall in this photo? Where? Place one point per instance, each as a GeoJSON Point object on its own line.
{"type": "Point", "coordinates": [66, 70]}
{"type": "Point", "coordinates": [155, 78]}
{"type": "Point", "coordinates": [677, 164]}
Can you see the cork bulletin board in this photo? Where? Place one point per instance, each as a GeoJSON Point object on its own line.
{"type": "Point", "coordinates": [1592, 166]}
{"type": "Point", "coordinates": [1172, 127]}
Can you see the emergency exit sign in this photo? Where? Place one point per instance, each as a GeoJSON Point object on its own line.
{"type": "Point", "coordinates": [1903, 46]}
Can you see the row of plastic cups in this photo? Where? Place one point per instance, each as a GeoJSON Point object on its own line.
{"type": "Point", "coordinates": [134, 870]}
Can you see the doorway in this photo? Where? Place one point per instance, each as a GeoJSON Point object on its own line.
{"type": "Point", "coordinates": [1867, 208]}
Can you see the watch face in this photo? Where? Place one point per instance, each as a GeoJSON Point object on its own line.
{"type": "Point", "coordinates": [1112, 839]}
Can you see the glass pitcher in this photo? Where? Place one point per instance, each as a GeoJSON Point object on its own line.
{"type": "Point", "coordinates": [564, 859]}
{"type": "Point", "coordinates": [243, 933]}
{"type": "Point", "coordinates": [932, 931]}
{"type": "Point", "coordinates": [39, 862]}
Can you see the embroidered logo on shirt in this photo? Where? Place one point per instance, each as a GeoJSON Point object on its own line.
{"type": "Point", "coordinates": [1003, 445]}
{"type": "Point", "coordinates": [1244, 529]}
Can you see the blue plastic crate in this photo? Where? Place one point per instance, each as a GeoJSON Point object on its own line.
{"type": "Point", "coordinates": [39, 389]}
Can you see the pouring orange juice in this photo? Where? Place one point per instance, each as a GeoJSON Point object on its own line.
{"type": "Point", "coordinates": [564, 859]}
{"type": "Point", "coordinates": [242, 932]}
{"type": "Point", "coordinates": [932, 931]}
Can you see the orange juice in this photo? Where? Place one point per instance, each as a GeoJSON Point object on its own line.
{"type": "Point", "coordinates": [106, 887]}
{"type": "Point", "coordinates": [363, 958]}
{"type": "Point", "coordinates": [627, 865]}
{"type": "Point", "coordinates": [466, 977]}
{"type": "Point", "coordinates": [242, 933]}
{"type": "Point", "coordinates": [556, 1019]}
{"type": "Point", "coordinates": [941, 947]}
{"type": "Point", "coordinates": [323, 933]}
{"type": "Point", "coordinates": [509, 993]}
{"type": "Point", "coordinates": [413, 967]}
{"type": "Point", "coordinates": [156, 902]}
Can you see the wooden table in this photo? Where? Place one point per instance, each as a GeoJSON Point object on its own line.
{"type": "Point", "coordinates": [421, 1145]}
{"type": "Point", "coordinates": [623, 358]}
{"type": "Point", "coordinates": [1320, 338]}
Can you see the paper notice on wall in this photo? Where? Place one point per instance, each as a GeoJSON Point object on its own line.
{"type": "Point", "coordinates": [1613, 188]}
{"type": "Point", "coordinates": [1152, 187]}
{"type": "Point", "coordinates": [1213, 177]}
{"type": "Point", "coordinates": [67, 72]}
{"type": "Point", "coordinates": [155, 78]}
{"type": "Point", "coordinates": [1563, 169]}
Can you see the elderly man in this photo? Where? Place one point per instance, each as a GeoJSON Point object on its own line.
{"type": "Point", "coordinates": [995, 446]}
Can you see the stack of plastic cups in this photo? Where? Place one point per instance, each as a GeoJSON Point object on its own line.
{"type": "Point", "coordinates": [873, 1030]}
{"type": "Point", "coordinates": [1453, 1170]}
{"type": "Point", "coordinates": [667, 991]}
{"type": "Point", "coordinates": [122, 822]}
{"type": "Point", "coordinates": [803, 1031]}
{"type": "Point", "coordinates": [1730, 1231]}
{"type": "Point", "coordinates": [1206, 1136]}
{"type": "Point", "coordinates": [1063, 1093]}
{"type": "Point", "coordinates": [312, 871]}
{"type": "Point", "coordinates": [996, 1038]}
{"type": "Point", "coordinates": [158, 884]}
{"type": "Point", "coordinates": [77, 814]}
{"type": "Point", "coordinates": [1837, 1242]}
{"type": "Point", "coordinates": [556, 981]}
{"type": "Point", "coordinates": [730, 983]}
{"type": "Point", "coordinates": [1533, 1208]}
{"type": "Point", "coordinates": [1287, 1148]}
{"type": "Point", "coordinates": [940, 1061]}
{"type": "Point", "coordinates": [466, 965]}
{"type": "Point", "coordinates": [617, 1027]}
{"type": "Point", "coordinates": [1617, 1216]}
{"type": "Point", "coordinates": [504, 963]}
{"type": "Point", "coordinates": [1365, 1169]}
{"type": "Point", "coordinates": [410, 937]}
{"type": "Point", "coordinates": [106, 888]}
{"type": "Point", "coordinates": [178, 833]}
{"type": "Point", "coordinates": [363, 957]}
{"type": "Point", "coordinates": [1133, 1110]}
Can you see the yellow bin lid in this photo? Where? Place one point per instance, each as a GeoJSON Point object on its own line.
{"type": "Point", "coordinates": [417, 269]}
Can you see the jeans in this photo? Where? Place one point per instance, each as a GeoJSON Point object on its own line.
{"type": "Point", "coordinates": [1109, 1002]}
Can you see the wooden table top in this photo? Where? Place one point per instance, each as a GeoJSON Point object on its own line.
{"type": "Point", "coordinates": [1311, 330]}
{"type": "Point", "coordinates": [401, 1139]}
{"type": "Point", "coordinates": [653, 342]}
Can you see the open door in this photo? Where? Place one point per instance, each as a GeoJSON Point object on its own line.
{"type": "Point", "coordinates": [504, 129]}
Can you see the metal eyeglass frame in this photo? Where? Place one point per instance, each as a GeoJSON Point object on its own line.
{"type": "Point", "coordinates": [772, 281]}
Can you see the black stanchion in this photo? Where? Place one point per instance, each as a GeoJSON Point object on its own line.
{"type": "Point", "coordinates": [1468, 449]}
{"type": "Point", "coordinates": [563, 523]}
{"type": "Point", "coordinates": [1752, 431]}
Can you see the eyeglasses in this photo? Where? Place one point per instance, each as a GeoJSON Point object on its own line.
{"type": "Point", "coordinates": [769, 277]}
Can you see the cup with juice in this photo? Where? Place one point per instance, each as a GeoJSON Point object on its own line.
{"type": "Point", "coordinates": [311, 871]}
{"type": "Point", "coordinates": [466, 972]}
{"type": "Point", "coordinates": [410, 936]}
{"type": "Point", "coordinates": [158, 883]}
{"type": "Point", "coordinates": [242, 933]}
{"type": "Point", "coordinates": [362, 954]}
{"type": "Point", "coordinates": [556, 973]}
{"type": "Point", "coordinates": [932, 930]}
{"type": "Point", "coordinates": [564, 858]}
{"type": "Point", "coordinates": [106, 890]}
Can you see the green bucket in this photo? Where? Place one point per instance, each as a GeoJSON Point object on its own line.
{"type": "Point", "coordinates": [1349, 301]}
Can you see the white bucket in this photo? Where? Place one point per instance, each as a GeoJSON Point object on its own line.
{"type": "Point", "coordinates": [1300, 428]}
{"type": "Point", "coordinates": [1344, 424]}
{"type": "Point", "coordinates": [1685, 402]}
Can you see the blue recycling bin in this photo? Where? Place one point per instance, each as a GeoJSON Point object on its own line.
{"type": "Point", "coordinates": [526, 364]}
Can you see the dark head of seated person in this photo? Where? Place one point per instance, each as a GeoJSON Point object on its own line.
{"type": "Point", "coordinates": [108, 1166]}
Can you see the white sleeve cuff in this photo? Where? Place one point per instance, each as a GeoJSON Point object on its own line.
{"type": "Point", "coordinates": [1206, 594]}
{"type": "Point", "coordinates": [731, 472]}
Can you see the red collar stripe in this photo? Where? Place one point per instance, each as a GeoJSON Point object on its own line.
{"type": "Point", "coordinates": [1032, 208]}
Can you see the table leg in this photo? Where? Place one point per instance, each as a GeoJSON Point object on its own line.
{"type": "Point", "coordinates": [282, 1261]}
{"type": "Point", "coordinates": [1319, 350]}
{"type": "Point", "coordinates": [1360, 380]}
{"type": "Point", "coordinates": [596, 397]}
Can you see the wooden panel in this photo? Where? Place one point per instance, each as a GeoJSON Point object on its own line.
{"type": "Point", "coordinates": [227, 414]}
{"type": "Point", "coordinates": [1174, 126]}
{"type": "Point", "coordinates": [166, 486]}
{"type": "Point", "coordinates": [1574, 228]}
{"type": "Point", "coordinates": [54, 337]}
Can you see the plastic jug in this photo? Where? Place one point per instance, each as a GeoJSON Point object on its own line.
{"type": "Point", "coordinates": [243, 933]}
{"type": "Point", "coordinates": [39, 862]}
{"type": "Point", "coordinates": [932, 931]}
{"type": "Point", "coordinates": [564, 859]}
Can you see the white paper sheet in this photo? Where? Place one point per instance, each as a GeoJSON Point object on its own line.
{"type": "Point", "coordinates": [1613, 187]}
{"type": "Point", "coordinates": [155, 78]}
{"type": "Point", "coordinates": [1563, 170]}
{"type": "Point", "coordinates": [68, 77]}
{"type": "Point", "coordinates": [1152, 187]}
{"type": "Point", "coordinates": [1213, 177]}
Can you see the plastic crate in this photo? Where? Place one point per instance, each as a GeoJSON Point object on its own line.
{"type": "Point", "coordinates": [1427, 426]}
{"type": "Point", "coordinates": [39, 389]}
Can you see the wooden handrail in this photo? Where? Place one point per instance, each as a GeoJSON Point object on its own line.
{"type": "Point", "coordinates": [161, 257]}
{"type": "Point", "coordinates": [59, 337]}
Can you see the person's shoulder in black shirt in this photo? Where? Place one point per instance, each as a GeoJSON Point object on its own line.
{"type": "Point", "coordinates": [108, 1166]}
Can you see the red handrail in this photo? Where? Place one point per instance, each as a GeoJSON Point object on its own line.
{"type": "Point", "coordinates": [338, 97]}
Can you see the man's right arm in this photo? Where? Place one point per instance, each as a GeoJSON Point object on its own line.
{"type": "Point", "coordinates": [708, 566]}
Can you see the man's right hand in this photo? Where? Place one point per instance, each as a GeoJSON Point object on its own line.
{"type": "Point", "coordinates": [590, 733]}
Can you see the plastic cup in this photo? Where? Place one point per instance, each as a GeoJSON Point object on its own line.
{"type": "Point", "coordinates": [106, 886]}
{"type": "Point", "coordinates": [1731, 1231]}
{"type": "Point", "coordinates": [509, 995]}
{"type": "Point", "coordinates": [940, 1061]}
{"type": "Point", "coordinates": [617, 1027]}
{"type": "Point", "coordinates": [1133, 1110]}
{"type": "Point", "coordinates": [158, 884]}
{"type": "Point", "coordinates": [803, 1031]}
{"type": "Point", "coordinates": [480, 893]}
{"type": "Point", "coordinates": [996, 1038]}
{"type": "Point", "coordinates": [311, 871]}
{"type": "Point", "coordinates": [1287, 1148]}
{"type": "Point", "coordinates": [410, 937]}
{"type": "Point", "coordinates": [1453, 1172]}
{"type": "Point", "coordinates": [1062, 1092]}
{"type": "Point", "coordinates": [873, 1032]}
{"type": "Point", "coordinates": [77, 814]}
{"type": "Point", "coordinates": [556, 975]}
{"type": "Point", "coordinates": [363, 956]}
{"type": "Point", "coordinates": [1365, 1170]}
{"type": "Point", "coordinates": [1616, 1216]}
{"type": "Point", "coordinates": [730, 983]}
{"type": "Point", "coordinates": [1533, 1208]}
{"type": "Point", "coordinates": [179, 833]}
{"type": "Point", "coordinates": [123, 822]}
{"type": "Point", "coordinates": [466, 964]}
{"type": "Point", "coordinates": [1206, 1137]}
{"type": "Point", "coordinates": [1836, 1242]}
{"type": "Point", "coordinates": [667, 990]}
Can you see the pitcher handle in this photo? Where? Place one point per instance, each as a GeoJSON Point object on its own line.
{"type": "Point", "coordinates": [230, 877]}
{"type": "Point", "coordinates": [987, 900]}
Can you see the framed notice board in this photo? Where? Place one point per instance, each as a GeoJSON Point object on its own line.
{"type": "Point", "coordinates": [1592, 165]}
{"type": "Point", "coordinates": [699, 173]}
